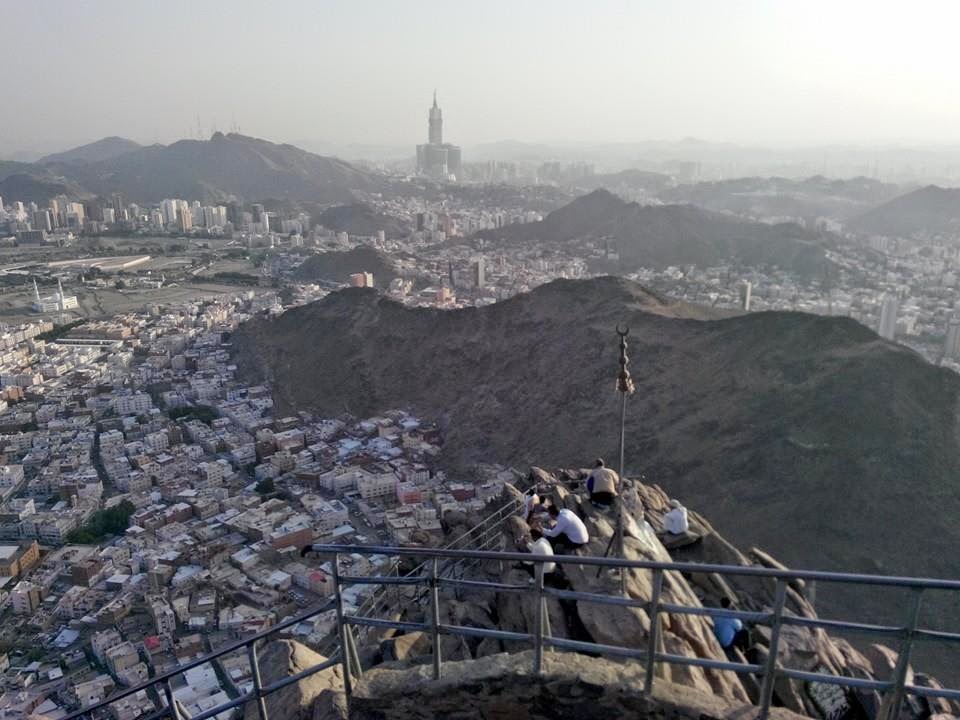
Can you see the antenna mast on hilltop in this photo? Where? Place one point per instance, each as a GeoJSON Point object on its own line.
{"type": "Point", "coordinates": [626, 388]}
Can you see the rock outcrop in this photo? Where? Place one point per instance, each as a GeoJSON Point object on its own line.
{"type": "Point", "coordinates": [503, 687]}
{"type": "Point", "coordinates": [283, 658]}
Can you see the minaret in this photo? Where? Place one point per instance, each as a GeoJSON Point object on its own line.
{"type": "Point", "coordinates": [436, 123]}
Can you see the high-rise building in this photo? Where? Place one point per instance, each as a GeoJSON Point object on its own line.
{"type": "Point", "coordinates": [479, 273]}
{"type": "Point", "coordinates": [55, 210]}
{"type": "Point", "coordinates": [169, 209]}
{"type": "Point", "coordinates": [951, 345]}
{"type": "Point", "coordinates": [437, 159]}
{"type": "Point", "coordinates": [888, 317]}
{"type": "Point", "coordinates": [746, 295]}
{"type": "Point", "coordinates": [42, 221]}
{"type": "Point", "coordinates": [185, 219]}
{"type": "Point", "coordinates": [435, 132]}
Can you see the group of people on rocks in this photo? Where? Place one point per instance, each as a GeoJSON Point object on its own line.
{"type": "Point", "coordinates": [555, 530]}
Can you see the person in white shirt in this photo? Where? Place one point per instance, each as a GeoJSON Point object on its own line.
{"type": "Point", "coordinates": [568, 531]}
{"type": "Point", "coordinates": [531, 504]}
{"type": "Point", "coordinates": [675, 521]}
{"type": "Point", "coordinates": [539, 546]}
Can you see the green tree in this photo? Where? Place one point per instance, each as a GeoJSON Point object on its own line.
{"type": "Point", "coordinates": [266, 486]}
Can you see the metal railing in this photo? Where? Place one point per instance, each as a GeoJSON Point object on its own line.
{"type": "Point", "coordinates": [162, 683]}
{"type": "Point", "coordinates": [482, 536]}
{"type": "Point", "coordinates": [894, 688]}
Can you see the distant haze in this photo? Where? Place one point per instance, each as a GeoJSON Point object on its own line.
{"type": "Point", "coordinates": [773, 73]}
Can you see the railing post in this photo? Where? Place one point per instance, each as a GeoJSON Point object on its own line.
{"type": "Point", "coordinates": [770, 667]}
{"type": "Point", "coordinates": [257, 682]}
{"type": "Point", "coordinates": [653, 638]}
{"type": "Point", "coordinates": [341, 628]}
{"type": "Point", "coordinates": [171, 702]}
{"type": "Point", "coordinates": [903, 658]}
{"type": "Point", "coordinates": [538, 627]}
{"type": "Point", "coordinates": [435, 619]}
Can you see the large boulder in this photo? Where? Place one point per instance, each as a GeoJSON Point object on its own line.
{"type": "Point", "coordinates": [283, 658]}
{"type": "Point", "coordinates": [686, 635]}
{"type": "Point", "coordinates": [504, 687]}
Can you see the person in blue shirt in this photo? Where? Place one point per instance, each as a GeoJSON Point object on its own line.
{"type": "Point", "coordinates": [730, 631]}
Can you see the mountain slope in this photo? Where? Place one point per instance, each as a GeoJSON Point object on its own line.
{"type": "Point", "coordinates": [105, 149]}
{"type": "Point", "coordinates": [778, 197]}
{"type": "Point", "coordinates": [929, 210]}
{"type": "Point", "coordinates": [30, 183]}
{"type": "Point", "coordinates": [360, 219]}
{"type": "Point", "coordinates": [664, 235]}
{"type": "Point", "coordinates": [772, 421]}
{"type": "Point", "coordinates": [216, 169]}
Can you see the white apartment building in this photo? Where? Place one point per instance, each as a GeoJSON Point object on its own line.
{"type": "Point", "coordinates": [133, 404]}
{"type": "Point", "coordinates": [377, 486]}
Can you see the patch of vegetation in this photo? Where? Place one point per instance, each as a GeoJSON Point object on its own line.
{"type": "Point", "coordinates": [238, 278]}
{"type": "Point", "coordinates": [203, 413]}
{"type": "Point", "coordinates": [60, 330]}
{"type": "Point", "coordinates": [103, 523]}
{"type": "Point", "coordinates": [266, 486]}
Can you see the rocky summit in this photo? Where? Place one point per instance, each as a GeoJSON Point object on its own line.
{"type": "Point", "coordinates": [809, 436]}
{"type": "Point", "coordinates": [487, 678]}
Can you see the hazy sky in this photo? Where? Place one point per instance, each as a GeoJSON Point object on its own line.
{"type": "Point", "coordinates": [767, 72]}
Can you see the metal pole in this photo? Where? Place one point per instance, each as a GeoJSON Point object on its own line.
{"type": "Point", "coordinates": [171, 702]}
{"type": "Point", "coordinates": [620, 543]}
{"type": "Point", "coordinates": [538, 627]}
{"type": "Point", "coordinates": [770, 667]}
{"type": "Point", "coordinates": [435, 620]}
{"type": "Point", "coordinates": [341, 628]}
{"type": "Point", "coordinates": [626, 387]}
{"type": "Point", "coordinates": [354, 657]}
{"type": "Point", "coordinates": [654, 629]}
{"type": "Point", "coordinates": [257, 682]}
{"type": "Point", "coordinates": [903, 659]}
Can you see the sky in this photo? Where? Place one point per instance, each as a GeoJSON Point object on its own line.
{"type": "Point", "coordinates": [774, 73]}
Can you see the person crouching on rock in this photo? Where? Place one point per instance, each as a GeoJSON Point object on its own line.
{"type": "Point", "coordinates": [539, 546]}
{"type": "Point", "coordinates": [568, 533]}
{"type": "Point", "coordinates": [676, 521]}
{"type": "Point", "coordinates": [531, 505]}
{"type": "Point", "coordinates": [602, 484]}
{"type": "Point", "coordinates": [730, 631]}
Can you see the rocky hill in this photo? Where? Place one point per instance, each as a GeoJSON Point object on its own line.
{"type": "Point", "coordinates": [214, 170]}
{"type": "Point", "coordinates": [360, 219]}
{"type": "Point", "coordinates": [929, 210]}
{"type": "Point", "coordinates": [807, 435]}
{"type": "Point", "coordinates": [811, 198]}
{"type": "Point", "coordinates": [339, 266]}
{"type": "Point", "coordinates": [105, 149]}
{"type": "Point", "coordinates": [664, 235]}
{"type": "Point", "coordinates": [38, 186]}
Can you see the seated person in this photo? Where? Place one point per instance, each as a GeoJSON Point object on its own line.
{"type": "Point", "coordinates": [675, 521]}
{"type": "Point", "coordinates": [568, 531]}
{"type": "Point", "coordinates": [531, 504]}
{"type": "Point", "coordinates": [602, 484]}
{"type": "Point", "coordinates": [730, 631]}
{"type": "Point", "coordinates": [539, 546]}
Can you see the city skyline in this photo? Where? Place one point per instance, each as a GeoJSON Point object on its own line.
{"type": "Point", "coordinates": [748, 73]}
